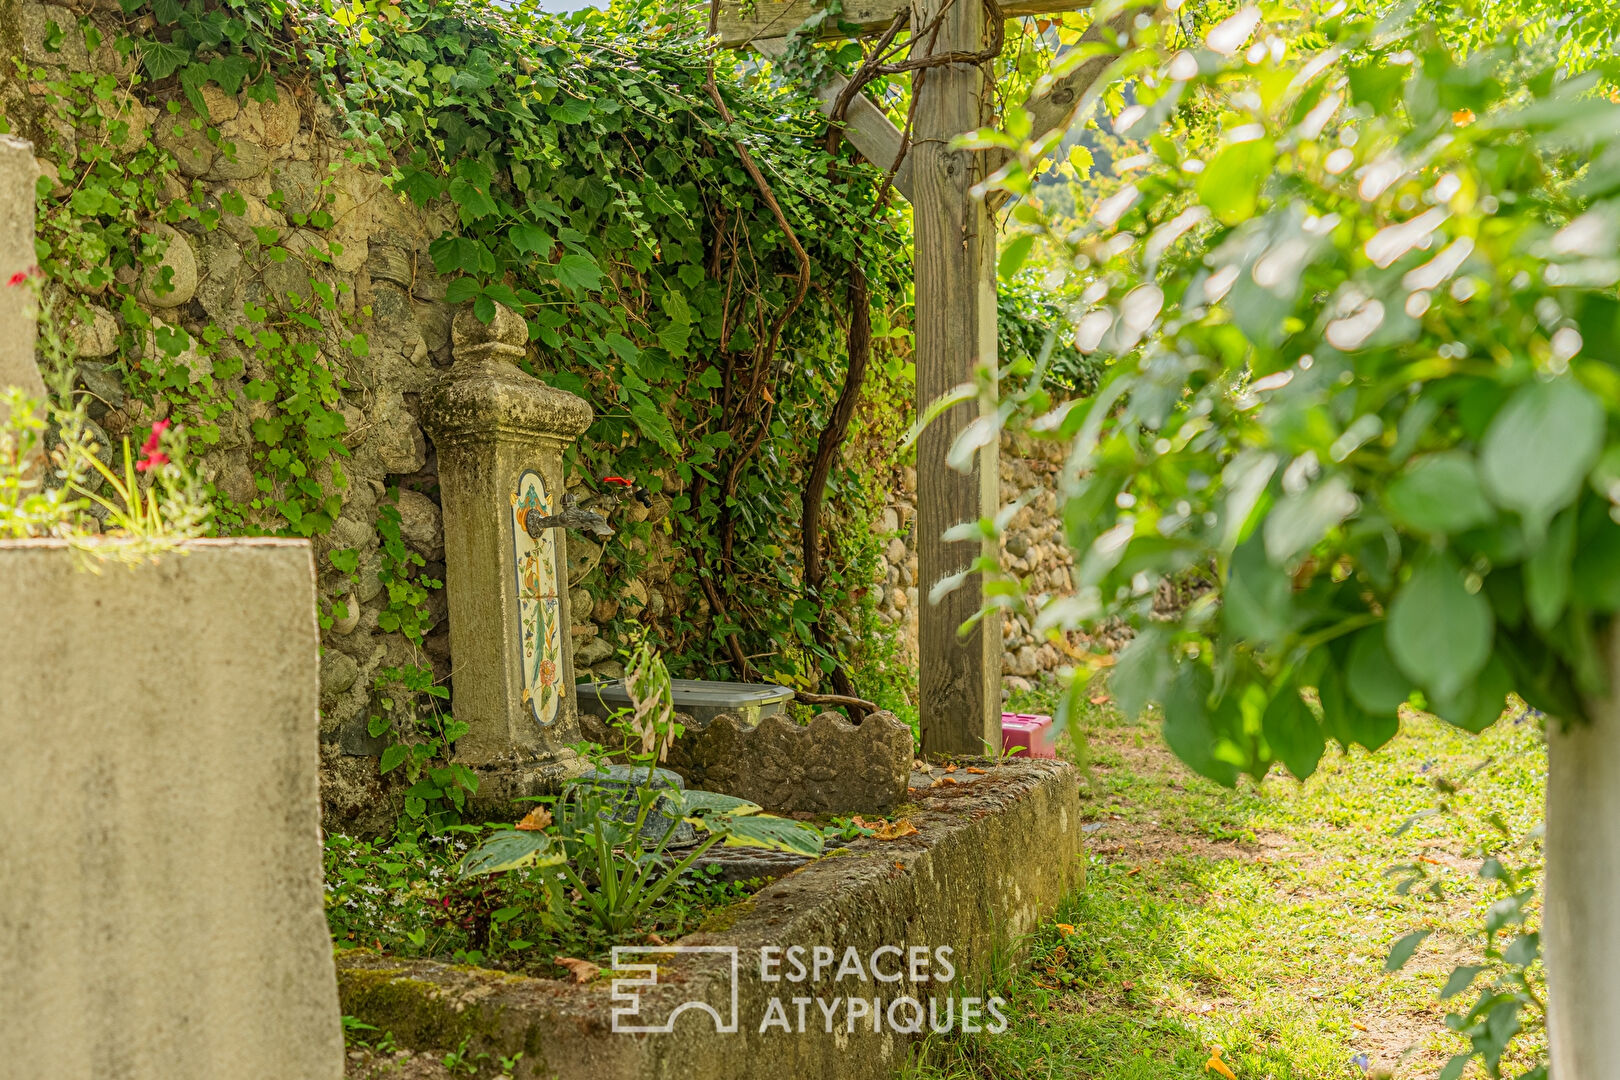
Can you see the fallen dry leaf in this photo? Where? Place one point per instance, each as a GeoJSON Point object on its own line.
{"type": "Point", "coordinates": [886, 830]}
{"type": "Point", "coordinates": [582, 970]}
{"type": "Point", "coordinates": [977, 772]}
{"type": "Point", "coordinates": [1218, 1065]}
{"type": "Point", "coordinates": [1100, 699]}
{"type": "Point", "coordinates": [535, 820]}
{"type": "Point", "coordinates": [656, 939]}
{"type": "Point", "coordinates": [950, 768]}
{"type": "Point", "coordinates": [943, 780]}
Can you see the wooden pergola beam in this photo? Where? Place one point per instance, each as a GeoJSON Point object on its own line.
{"type": "Point", "coordinates": [740, 25]}
{"type": "Point", "coordinates": [1050, 108]}
{"type": "Point", "coordinates": [865, 124]}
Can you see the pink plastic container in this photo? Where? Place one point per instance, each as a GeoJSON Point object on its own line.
{"type": "Point", "coordinates": [1028, 735]}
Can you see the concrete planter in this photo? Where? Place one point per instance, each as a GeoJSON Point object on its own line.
{"type": "Point", "coordinates": [991, 857]}
{"type": "Point", "coordinates": [161, 914]}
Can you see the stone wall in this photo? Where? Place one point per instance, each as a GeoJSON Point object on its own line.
{"type": "Point", "coordinates": [1033, 548]}
{"type": "Point", "coordinates": [285, 166]}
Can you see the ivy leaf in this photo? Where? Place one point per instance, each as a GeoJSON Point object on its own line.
{"type": "Point", "coordinates": [673, 337]}
{"type": "Point", "coordinates": [229, 71]}
{"type": "Point", "coordinates": [474, 202]}
{"type": "Point", "coordinates": [1539, 447]}
{"type": "Point", "coordinates": [530, 239]}
{"type": "Point", "coordinates": [394, 756]}
{"type": "Point", "coordinates": [420, 186]}
{"type": "Point", "coordinates": [579, 273]}
{"type": "Point", "coordinates": [461, 290]}
{"type": "Point", "coordinates": [570, 110]}
{"type": "Point", "coordinates": [453, 253]}
{"type": "Point", "coordinates": [652, 422]}
{"type": "Point", "coordinates": [162, 58]}
{"type": "Point", "coordinates": [1438, 632]}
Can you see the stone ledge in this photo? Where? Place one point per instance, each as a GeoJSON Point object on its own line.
{"type": "Point", "coordinates": [993, 854]}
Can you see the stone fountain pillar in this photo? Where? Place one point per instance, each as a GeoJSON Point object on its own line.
{"type": "Point", "coordinates": [500, 436]}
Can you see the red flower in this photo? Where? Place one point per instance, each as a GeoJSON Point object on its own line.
{"type": "Point", "coordinates": [154, 456]}
{"type": "Point", "coordinates": [18, 278]}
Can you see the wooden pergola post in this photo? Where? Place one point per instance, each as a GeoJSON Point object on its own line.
{"type": "Point", "coordinates": [955, 323]}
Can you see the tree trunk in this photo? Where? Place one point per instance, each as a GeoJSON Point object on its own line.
{"type": "Point", "coordinates": [1581, 924]}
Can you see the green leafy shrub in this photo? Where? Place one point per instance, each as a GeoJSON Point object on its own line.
{"type": "Point", "coordinates": [1361, 329]}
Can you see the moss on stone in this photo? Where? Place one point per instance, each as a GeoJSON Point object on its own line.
{"type": "Point", "coordinates": [414, 1011]}
{"type": "Point", "coordinates": [721, 920]}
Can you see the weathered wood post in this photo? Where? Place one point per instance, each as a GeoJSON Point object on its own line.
{"type": "Point", "coordinates": [500, 436]}
{"type": "Point", "coordinates": [960, 678]}
{"type": "Point", "coordinates": [955, 256]}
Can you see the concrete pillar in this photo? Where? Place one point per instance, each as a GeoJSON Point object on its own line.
{"type": "Point", "coordinates": [18, 277]}
{"type": "Point", "coordinates": [500, 436]}
{"type": "Point", "coordinates": [161, 910]}
{"type": "Point", "coordinates": [1580, 931]}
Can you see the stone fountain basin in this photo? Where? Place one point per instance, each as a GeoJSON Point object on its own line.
{"type": "Point", "coordinates": [994, 853]}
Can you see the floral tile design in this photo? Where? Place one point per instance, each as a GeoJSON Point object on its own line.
{"type": "Point", "coordinates": [539, 607]}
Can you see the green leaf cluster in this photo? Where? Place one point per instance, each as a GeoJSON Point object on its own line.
{"type": "Point", "coordinates": [1355, 445]}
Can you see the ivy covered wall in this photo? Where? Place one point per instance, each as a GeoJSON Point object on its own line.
{"type": "Point", "coordinates": [258, 218]}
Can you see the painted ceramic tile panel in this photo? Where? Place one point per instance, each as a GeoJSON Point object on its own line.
{"type": "Point", "coordinates": [539, 608]}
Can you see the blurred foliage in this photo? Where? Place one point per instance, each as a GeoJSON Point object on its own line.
{"type": "Point", "coordinates": [1357, 299]}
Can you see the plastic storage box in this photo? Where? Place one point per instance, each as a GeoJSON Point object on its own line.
{"type": "Point", "coordinates": [1028, 734]}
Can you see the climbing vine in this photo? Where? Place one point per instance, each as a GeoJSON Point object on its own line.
{"type": "Point", "coordinates": [604, 200]}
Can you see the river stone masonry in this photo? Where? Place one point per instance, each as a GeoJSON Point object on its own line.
{"type": "Point", "coordinates": [1033, 547]}
{"type": "Point", "coordinates": [285, 166]}
{"type": "Point", "coordinates": [826, 766]}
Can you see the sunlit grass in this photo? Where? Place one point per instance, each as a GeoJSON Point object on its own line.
{"type": "Point", "coordinates": [1258, 920]}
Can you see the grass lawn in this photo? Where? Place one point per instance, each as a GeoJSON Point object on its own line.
{"type": "Point", "coordinates": [1258, 920]}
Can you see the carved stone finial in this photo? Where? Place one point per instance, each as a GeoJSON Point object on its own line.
{"type": "Point", "coordinates": [502, 338]}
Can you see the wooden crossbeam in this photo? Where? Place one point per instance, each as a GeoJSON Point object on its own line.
{"type": "Point", "coordinates": [740, 24]}
{"type": "Point", "coordinates": [865, 124]}
{"type": "Point", "coordinates": [1051, 107]}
